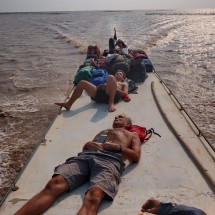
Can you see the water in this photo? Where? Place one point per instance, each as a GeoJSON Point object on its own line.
{"type": "Point", "coordinates": [40, 53]}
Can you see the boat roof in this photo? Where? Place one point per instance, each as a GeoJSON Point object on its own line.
{"type": "Point", "coordinates": [178, 167]}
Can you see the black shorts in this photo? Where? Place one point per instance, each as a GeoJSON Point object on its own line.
{"type": "Point", "coordinates": [102, 97]}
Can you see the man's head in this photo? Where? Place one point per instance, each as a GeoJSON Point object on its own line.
{"type": "Point", "coordinates": [120, 75]}
{"type": "Point", "coordinates": [122, 121]}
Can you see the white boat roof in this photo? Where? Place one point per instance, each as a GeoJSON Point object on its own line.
{"type": "Point", "coordinates": [169, 170]}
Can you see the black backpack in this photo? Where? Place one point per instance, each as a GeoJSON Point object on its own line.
{"type": "Point", "coordinates": [137, 70]}
{"type": "Point", "coordinates": [132, 87]}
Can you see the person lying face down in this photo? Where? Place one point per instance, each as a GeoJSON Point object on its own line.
{"type": "Point", "coordinates": [109, 93]}
{"type": "Point", "coordinates": [100, 164]}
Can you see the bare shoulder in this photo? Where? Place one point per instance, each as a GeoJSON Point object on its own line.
{"type": "Point", "coordinates": [125, 83]}
{"type": "Point", "coordinates": [135, 136]}
{"type": "Point", "coordinates": [133, 133]}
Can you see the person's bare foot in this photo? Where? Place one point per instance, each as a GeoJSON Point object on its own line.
{"type": "Point", "coordinates": [64, 104]}
{"type": "Point", "coordinates": [112, 108]}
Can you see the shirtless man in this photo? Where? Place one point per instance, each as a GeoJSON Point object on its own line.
{"type": "Point", "coordinates": [93, 163]}
{"type": "Point", "coordinates": [109, 93]}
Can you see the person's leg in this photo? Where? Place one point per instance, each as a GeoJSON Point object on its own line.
{"type": "Point", "coordinates": [92, 201]}
{"type": "Point", "coordinates": [111, 89]}
{"type": "Point", "coordinates": [82, 85]}
{"type": "Point", "coordinates": [112, 49]}
{"type": "Point", "coordinates": [43, 200]}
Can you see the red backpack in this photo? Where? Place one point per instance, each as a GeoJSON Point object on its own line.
{"type": "Point", "coordinates": [143, 133]}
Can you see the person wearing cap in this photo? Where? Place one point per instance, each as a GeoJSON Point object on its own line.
{"type": "Point", "coordinates": [117, 46]}
{"type": "Point", "coordinates": [122, 48]}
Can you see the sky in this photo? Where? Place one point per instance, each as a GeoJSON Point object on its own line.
{"type": "Point", "coordinates": [78, 5]}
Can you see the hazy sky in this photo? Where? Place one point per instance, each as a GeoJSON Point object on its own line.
{"type": "Point", "coordinates": [71, 5]}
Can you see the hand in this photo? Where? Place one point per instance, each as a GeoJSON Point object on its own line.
{"type": "Point", "coordinates": [115, 37]}
{"type": "Point", "coordinates": [126, 98]}
{"type": "Point", "coordinates": [151, 206]}
{"type": "Point", "coordinates": [122, 93]}
{"type": "Point", "coordinates": [91, 145]}
{"type": "Point", "coordinates": [110, 146]}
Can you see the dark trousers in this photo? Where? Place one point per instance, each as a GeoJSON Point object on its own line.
{"type": "Point", "coordinates": [112, 49]}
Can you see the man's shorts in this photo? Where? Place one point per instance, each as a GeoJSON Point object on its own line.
{"type": "Point", "coordinates": [102, 97]}
{"type": "Point", "coordinates": [102, 169]}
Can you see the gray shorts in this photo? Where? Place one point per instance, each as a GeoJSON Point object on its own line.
{"type": "Point", "coordinates": [102, 169]}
